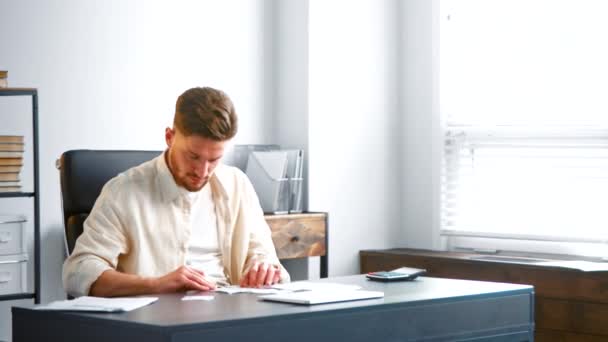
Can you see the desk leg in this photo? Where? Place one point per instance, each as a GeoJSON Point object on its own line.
{"type": "Point", "coordinates": [324, 266]}
{"type": "Point", "coordinates": [324, 260]}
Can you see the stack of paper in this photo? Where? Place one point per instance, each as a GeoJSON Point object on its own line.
{"type": "Point", "coordinates": [315, 286]}
{"type": "Point", "coordinates": [237, 289]}
{"type": "Point", "coordinates": [306, 292]}
{"type": "Point", "coordinates": [321, 297]}
{"type": "Point", "coordinates": [309, 293]}
{"type": "Point", "coordinates": [98, 304]}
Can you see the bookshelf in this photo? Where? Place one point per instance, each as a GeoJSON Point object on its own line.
{"type": "Point", "coordinates": [35, 194]}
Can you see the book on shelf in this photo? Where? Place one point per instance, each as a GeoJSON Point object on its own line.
{"type": "Point", "coordinates": [3, 79]}
{"type": "Point", "coordinates": [10, 183]}
{"type": "Point", "coordinates": [15, 188]}
{"type": "Point", "coordinates": [9, 176]}
{"type": "Point", "coordinates": [10, 168]}
{"type": "Point", "coordinates": [16, 147]}
{"type": "Point", "coordinates": [11, 139]}
{"type": "Point", "coordinates": [11, 154]}
{"type": "Point", "coordinates": [11, 161]}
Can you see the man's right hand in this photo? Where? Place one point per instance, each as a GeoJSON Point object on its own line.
{"type": "Point", "coordinates": [183, 279]}
{"type": "Point", "coordinates": [112, 283]}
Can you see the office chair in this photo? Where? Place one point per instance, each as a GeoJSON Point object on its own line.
{"type": "Point", "coordinates": [83, 174]}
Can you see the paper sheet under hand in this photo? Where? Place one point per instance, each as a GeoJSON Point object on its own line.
{"type": "Point", "coordinates": [99, 304]}
{"type": "Point", "coordinates": [238, 289]}
{"type": "Point", "coordinates": [198, 297]}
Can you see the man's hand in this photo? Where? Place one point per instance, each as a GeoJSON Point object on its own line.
{"type": "Point", "coordinates": [112, 283]}
{"type": "Point", "coordinates": [261, 274]}
{"type": "Point", "coordinates": [183, 279]}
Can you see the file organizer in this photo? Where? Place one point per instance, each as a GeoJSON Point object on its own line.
{"type": "Point", "coordinates": [240, 153]}
{"type": "Point", "coordinates": [269, 171]}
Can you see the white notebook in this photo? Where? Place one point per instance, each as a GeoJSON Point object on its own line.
{"type": "Point", "coordinates": [320, 297]}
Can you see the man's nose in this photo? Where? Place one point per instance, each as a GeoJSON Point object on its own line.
{"type": "Point", "coordinates": [202, 169]}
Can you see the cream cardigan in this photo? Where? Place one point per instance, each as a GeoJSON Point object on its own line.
{"type": "Point", "coordinates": [140, 225]}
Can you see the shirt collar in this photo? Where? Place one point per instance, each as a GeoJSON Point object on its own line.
{"type": "Point", "coordinates": [171, 191]}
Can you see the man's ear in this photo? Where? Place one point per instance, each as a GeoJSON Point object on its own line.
{"type": "Point", "coordinates": [169, 136]}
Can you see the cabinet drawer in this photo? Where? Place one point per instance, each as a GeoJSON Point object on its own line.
{"type": "Point", "coordinates": [12, 235]}
{"type": "Point", "coordinates": [13, 274]}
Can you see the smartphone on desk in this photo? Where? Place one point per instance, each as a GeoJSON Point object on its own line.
{"type": "Point", "coordinates": [403, 273]}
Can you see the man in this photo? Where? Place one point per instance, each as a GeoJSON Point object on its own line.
{"type": "Point", "coordinates": [182, 221]}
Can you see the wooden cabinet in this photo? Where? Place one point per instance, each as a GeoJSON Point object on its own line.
{"type": "Point", "coordinates": [571, 305]}
{"type": "Point", "coordinates": [300, 236]}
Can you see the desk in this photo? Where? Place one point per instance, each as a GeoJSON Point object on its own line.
{"type": "Point", "coordinates": [429, 309]}
{"type": "Point", "coordinates": [571, 305]}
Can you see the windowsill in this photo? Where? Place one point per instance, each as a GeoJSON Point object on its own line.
{"type": "Point", "coordinates": [548, 250]}
{"type": "Point", "coordinates": [540, 260]}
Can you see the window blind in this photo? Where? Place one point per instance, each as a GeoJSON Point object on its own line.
{"type": "Point", "coordinates": [524, 114]}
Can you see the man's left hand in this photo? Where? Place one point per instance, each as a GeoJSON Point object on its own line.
{"type": "Point", "coordinates": [261, 274]}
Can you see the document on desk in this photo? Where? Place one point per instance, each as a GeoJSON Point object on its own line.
{"type": "Point", "coordinates": [99, 304]}
{"type": "Point", "coordinates": [322, 297]}
{"type": "Point", "coordinates": [238, 289]}
{"type": "Point", "coordinates": [197, 297]}
{"type": "Point", "coordinates": [306, 285]}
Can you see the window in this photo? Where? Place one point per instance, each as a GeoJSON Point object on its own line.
{"type": "Point", "coordinates": [524, 106]}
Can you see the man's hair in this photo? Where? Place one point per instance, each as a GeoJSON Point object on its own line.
{"type": "Point", "coordinates": [205, 112]}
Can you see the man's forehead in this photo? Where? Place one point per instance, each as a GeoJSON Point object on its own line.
{"type": "Point", "coordinates": [200, 145]}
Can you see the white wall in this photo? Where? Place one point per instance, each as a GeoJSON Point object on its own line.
{"type": "Point", "coordinates": [290, 30]}
{"type": "Point", "coordinates": [354, 126]}
{"type": "Point", "coordinates": [108, 74]}
{"type": "Point", "coordinates": [349, 81]}
{"type": "Point", "coordinates": [420, 127]}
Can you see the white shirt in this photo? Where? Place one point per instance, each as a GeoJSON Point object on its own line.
{"type": "Point", "coordinates": [140, 225]}
{"type": "Point", "coordinates": [204, 248]}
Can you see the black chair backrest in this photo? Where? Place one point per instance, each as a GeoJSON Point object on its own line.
{"type": "Point", "coordinates": [83, 174]}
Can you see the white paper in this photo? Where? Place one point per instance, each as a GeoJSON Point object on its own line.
{"type": "Point", "coordinates": [320, 297]}
{"type": "Point", "coordinates": [198, 297]}
{"type": "Point", "coordinates": [238, 289]}
{"type": "Point", "coordinates": [316, 286]}
{"type": "Point", "coordinates": [99, 304]}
